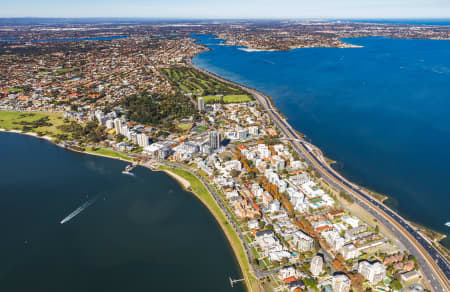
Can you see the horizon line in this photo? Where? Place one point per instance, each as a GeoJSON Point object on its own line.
{"type": "Point", "coordinates": [226, 18]}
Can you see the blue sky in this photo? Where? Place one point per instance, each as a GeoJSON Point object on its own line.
{"type": "Point", "coordinates": [228, 8]}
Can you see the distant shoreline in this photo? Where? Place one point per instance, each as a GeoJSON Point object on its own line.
{"type": "Point", "coordinates": [379, 197]}
{"type": "Point", "coordinates": [68, 40]}
{"type": "Point", "coordinates": [51, 140]}
{"type": "Point", "coordinates": [183, 182]}
{"type": "Point", "coordinates": [249, 50]}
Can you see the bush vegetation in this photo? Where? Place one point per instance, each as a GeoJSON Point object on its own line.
{"type": "Point", "coordinates": [156, 109]}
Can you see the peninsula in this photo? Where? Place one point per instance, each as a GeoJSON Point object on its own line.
{"type": "Point", "coordinates": [293, 222]}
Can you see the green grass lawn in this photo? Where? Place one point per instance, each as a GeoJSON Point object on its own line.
{"type": "Point", "coordinates": [11, 120]}
{"type": "Point", "coordinates": [66, 70]}
{"type": "Point", "coordinates": [15, 90]}
{"type": "Point", "coordinates": [108, 152]}
{"type": "Point", "coordinates": [184, 126]}
{"type": "Point", "coordinates": [211, 99]}
{"type": "Point", "coordinates": [42, 73]}
{"type": "Point", "coordinates": [200, 129]}
{"type": "Point", "coordinates": [192, 81]}
{"type": "Point", "coordinates": [237, 98]}
{"type": "Point", "coordinates": [202, 192]}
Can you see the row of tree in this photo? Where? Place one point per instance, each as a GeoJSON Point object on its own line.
{"type": "Point", "coordinates": [90, 132]}
{"type": "Point", "coordinates": [156, 109]}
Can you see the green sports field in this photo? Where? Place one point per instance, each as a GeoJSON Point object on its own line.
{"type": "Point", "coordinates": [24, 121]}
{"type": "Point", "coordinates": [237, 98]}
{"type": "Point", "coordinates": [192, 81]}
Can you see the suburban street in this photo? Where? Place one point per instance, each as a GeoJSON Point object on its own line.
{"type": "Point", "coordinates": [257, 272]}
{"type": "Point", "coordinates": [435, 267]}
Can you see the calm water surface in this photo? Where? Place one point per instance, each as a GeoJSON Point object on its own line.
{"type": "Point", "coordinates": [144, 233]}
{"type": "Point", "coordinates": [382, 111]}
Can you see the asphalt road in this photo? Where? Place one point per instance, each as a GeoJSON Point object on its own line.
{"type": "Point", "coordinates": [435, 267]}
{"type": "Point", "coordinates": [257, 272]}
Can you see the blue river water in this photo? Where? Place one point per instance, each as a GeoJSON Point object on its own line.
{"type": "Point", "coordinates": [381, 111]}
{"type": "Point", "coordinates": [125, 233]}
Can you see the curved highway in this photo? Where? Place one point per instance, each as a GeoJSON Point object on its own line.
{"type": "Point", "coordinates": [435, 267]}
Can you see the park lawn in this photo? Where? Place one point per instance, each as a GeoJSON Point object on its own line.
{"type": "Point", "coordinates": [211, 99]}
{"type": "Point", "coordinates": [108, 152]}
{"type": "Point", "coordinates": [192, 81]}
{"type": "Point", "coordinates": [15, 90]}
{"type": "Point", "coordinates": [202, 173]}
{"type": "Point", "coordinates": [200, 129]}
{"type": "Point", "coordinates": [184, 88]}
{"type": "Point", "coordinates": [7, 120]}
{"type": "Point", "coordinates": [184, 126]}
{"type": "Point", "coordinates": [237, 98]}
{"type": "Point", "coordinates": [66, 70]}
{"type": "Point", "coordinates": [202, 192]}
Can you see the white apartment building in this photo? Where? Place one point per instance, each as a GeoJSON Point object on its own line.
{"type": "Point", "coordinates": [118, 125]}
{"type": "Point", "coordinates": [341, 283]}
{"type": "Point", "coordinates": [333, 238]}
{"type": "Point", "coordinates": [374, 272]}
{"type": "Point", "coordinates": [302, 241]}
{"type": "Point", "coordinates": [316, 265]}
{"type": "Point", "coordinates": [142, 140]}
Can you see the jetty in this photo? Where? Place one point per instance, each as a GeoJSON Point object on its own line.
{"type": "Point", "coordinates": [232, 282]}
{"type": "Point", "coordinates": [129, 168]}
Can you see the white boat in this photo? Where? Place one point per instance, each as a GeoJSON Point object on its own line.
{"type": "Point", "coordinates": [128, 169]}
{"type": "Point", "coordinates": [447, 224]}
{"type": "Point", "coordinates": [79, 210]}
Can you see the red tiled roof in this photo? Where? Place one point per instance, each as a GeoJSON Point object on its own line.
{"type": "Point", "coordinates": [290, 280]}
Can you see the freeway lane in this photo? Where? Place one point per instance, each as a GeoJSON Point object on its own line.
{"type": "Point", "coordinates": [326, 172]}
{"type": "Point", "coordinates": [435, 267]}
{"type": "Point", "coordinates": [436, 257]}
{"type": "Point", "coordinates": [423, 262]}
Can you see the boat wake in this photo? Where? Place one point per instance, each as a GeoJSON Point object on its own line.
{"type": "Point", "coordinates": [128, 173]}
{"type": "Point", "coordinates": [128, 169]}
{"type": "Point", "coordinates": [80, 209]}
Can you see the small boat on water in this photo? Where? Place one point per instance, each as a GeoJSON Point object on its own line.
{"type": "Point", "coordinates": [128, 169]}
{"type": "Point", "coordinates": [447, 224]}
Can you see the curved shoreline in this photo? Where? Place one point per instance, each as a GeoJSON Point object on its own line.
{"type": "Point", "coordinates": [221, 219]}
{"type": "Point", "coordinates": [51, 140]}
{"type": "Point", "coordinates": [316, 148]}
{"type": "Point", "coordinates": [413, 240]}
{"type": "Point", "coordinates": [244, 269]}
{"type": "Point", "coordinates": [380, 197]}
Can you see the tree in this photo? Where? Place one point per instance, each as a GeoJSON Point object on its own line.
{"type": "Point", "coordinates": [357, 281]}
{"type": "Point", "coordinates": [153, 109]}
{"type": "Point", "coordinates": [346, 197]}
{"type": "Point", "coordinates": [310, 283]}
{"type": "Point", "coordinates": [235, 173]}
{"type": "Point", "coordinates": [261, 224]}
{"type": "Point", "coordinates": [338, 263]}
{"type": "Point", "coordinates": [119, 138]}
{"type": "Point", "coordinates": [396, 285]}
